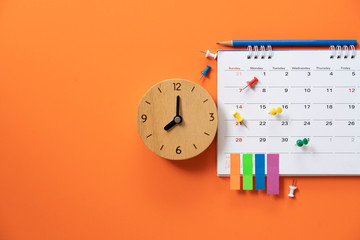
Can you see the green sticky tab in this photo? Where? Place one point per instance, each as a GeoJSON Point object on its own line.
{"type": "Point", "coordinates": [247, 172]}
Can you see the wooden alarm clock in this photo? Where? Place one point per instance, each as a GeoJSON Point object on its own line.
{"type": "Point", "coordinates": [177, 119]}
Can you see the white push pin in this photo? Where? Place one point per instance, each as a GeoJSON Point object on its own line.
{"type": "Point", "coordinates": [292, 189]}
{"type": "Point", "coordinates": [209, 54]}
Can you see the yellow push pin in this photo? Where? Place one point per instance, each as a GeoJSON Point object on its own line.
{"type": "Point", "coordinates": [274, 111]}
{"type": "Point", "coordinates": [239, 118]}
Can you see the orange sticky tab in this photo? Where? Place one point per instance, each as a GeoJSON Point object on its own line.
{"type": "Point", "coordinates": [234, 171]}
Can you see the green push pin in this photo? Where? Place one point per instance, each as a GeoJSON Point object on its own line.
{"type": "Point", "coordinates": [300, 142]}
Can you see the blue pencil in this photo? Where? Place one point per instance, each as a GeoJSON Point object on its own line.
{"type": "Point", "coordinates": [287, 43]}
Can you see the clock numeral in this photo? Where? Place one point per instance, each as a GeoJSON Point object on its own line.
{"type": "Point", "coordinates": [178, 150]}
{"type": "Point", "coordinates": [177, 86]}
{"type": "Point", "coordinates": [144, 118]}
{"type": "Point", "coordinates": [211, 117]}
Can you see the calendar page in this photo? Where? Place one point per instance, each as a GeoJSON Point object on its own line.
{"type": "Point", "coordinates": [320, 101]}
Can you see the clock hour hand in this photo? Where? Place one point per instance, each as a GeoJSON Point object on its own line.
{"type": "Point", "coordinates": [170, 125]}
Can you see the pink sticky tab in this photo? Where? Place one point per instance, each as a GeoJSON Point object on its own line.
{"type": "Point", "coordinates": [272, 173]}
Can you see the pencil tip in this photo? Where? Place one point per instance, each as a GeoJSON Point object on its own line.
{"type": "Point", "coordinates": [217, 43]}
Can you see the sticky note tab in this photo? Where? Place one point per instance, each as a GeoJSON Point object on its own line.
{"type": "Point", "coordinates": [234, 171]}
{"type": "Point", "coordinates": [259, 171]}
{"type": "Point", "coordinates": [272, 173]}
{"type": "Point", "coordinates": [247, 172]}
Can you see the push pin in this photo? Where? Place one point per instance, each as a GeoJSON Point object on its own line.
{"type": "Point", "coordinates": [274, 111]}
{"type": "Point", "coordinates": [292, 189]}
{"type": "Point", "coordinates": [239, 118]}
{"type": "Point", "coordinates": [300, 142]}
{"type": "Point", "coordinates": [209, 54]}
{"type": "Point", "coordinates": [250, 83]}
{"type": "Point", "coordinates": [205, 71]}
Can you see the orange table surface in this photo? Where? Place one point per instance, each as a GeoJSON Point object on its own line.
{"type": "Point", "coordinates": [72, 165]}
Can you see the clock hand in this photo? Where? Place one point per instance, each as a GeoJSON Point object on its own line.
{"type": "Point", "coordinates": [177, 105]}
{"type": "Point", "coordinates": [177, 119]}
{"type": "Point", "coordinates": [170, 125]}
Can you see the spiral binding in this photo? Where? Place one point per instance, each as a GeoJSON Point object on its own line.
{"type": "Point", "coordinates": [335, 52]}
{"type": "Point", "coordinates": [263, 52]}
{"type": "Point", "coordinates": [346, 51]}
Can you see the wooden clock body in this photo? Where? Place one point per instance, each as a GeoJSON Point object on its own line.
{"type": "Point", "coordinates": [186, 139]}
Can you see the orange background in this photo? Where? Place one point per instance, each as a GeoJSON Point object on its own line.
{"type": "Point", "coordinates": [72, 165]}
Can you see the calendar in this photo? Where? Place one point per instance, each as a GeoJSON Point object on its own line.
{"type": "Point", "coordinates": [320, 100]}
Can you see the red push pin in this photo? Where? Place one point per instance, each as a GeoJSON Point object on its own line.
{"type": "Point", "coordinates": [251, 83]}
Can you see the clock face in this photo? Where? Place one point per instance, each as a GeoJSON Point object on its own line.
{"type": "Point", "coordinates": [177, 119]}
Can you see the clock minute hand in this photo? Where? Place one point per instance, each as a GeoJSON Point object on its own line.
{"type": "Point", "coordinates": [177, 119]}
{"type": "Point", "coordinates": [177, 105]}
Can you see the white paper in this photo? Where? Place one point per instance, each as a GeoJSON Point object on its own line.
{"type": "Point", "coordinates": [320, 98]}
